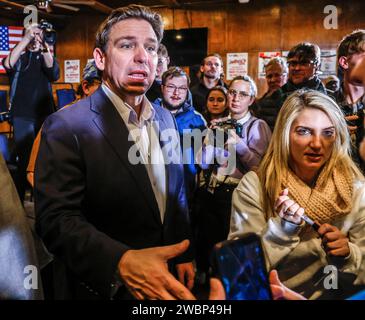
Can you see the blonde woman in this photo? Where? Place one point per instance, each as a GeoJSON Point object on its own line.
{"type": "Point", "coordinates": [307, 169]}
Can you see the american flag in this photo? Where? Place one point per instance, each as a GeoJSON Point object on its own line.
{"type": "Point", "coordinates": [9, 37]}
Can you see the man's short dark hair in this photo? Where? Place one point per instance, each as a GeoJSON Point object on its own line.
{"type": "Point", "coordinates": [217, 55]}
{"type": "Point", "coordinates": [352, 43]}
{"type": "Point", "coordinates": [306, 51]}
{"type": "Point", "coordinates": [128, 12]}
{"type": "Point", "coordinates": [174, 72]}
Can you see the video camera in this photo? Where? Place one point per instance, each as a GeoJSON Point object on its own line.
{"type": "Point", "coordinates": [49, 32]}
{"type": "Point", "coordinates": [227, 125]}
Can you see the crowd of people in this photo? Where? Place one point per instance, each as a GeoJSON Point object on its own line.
{"type": "Point", "coordinates": [137, 180]}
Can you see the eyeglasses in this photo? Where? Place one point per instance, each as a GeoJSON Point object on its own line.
{"type": "Point", "coordinates": [172, 88]}
{"type": "Point", "coordinates": [240, 94]}
{"type": "Point", "coordinates": [294, 64]}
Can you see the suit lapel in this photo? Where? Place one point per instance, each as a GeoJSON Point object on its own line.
{"type": "Point", "coordinates": [114, 130]}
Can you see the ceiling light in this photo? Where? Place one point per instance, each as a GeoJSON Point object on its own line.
{"type": "Point", "coordinates": [42, 4]}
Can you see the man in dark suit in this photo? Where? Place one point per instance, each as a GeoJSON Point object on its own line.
{"type": "Point", "coordinates": [104, 205]}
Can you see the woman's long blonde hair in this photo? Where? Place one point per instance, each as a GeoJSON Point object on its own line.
{"type": "Point", "coordinates": [275, 163]}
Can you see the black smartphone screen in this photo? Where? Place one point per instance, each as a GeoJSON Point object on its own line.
{"type": "Point", "coordinates": [241, 267]}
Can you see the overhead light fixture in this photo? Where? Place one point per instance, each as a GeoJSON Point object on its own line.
{"type": "Point", "coordinates": [243, 1]}
{"type": "Point", "coordinates": [42, 4]}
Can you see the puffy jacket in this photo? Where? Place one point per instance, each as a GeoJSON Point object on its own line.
{"type": "Point", "coordinates": [187, 119]}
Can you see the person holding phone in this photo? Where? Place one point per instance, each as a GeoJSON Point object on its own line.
{"type": "Point", "coordinates": [307, 169]}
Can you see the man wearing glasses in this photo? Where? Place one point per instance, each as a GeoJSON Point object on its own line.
{"type": "Point", "coordinates": [211, 70]}
{"type": "Point", "coordinates": [177, 98]}
{"type": "Point", "coordinates": [303, 63]}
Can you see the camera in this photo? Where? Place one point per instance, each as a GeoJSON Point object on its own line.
{"type": "Point", "coordinates": [5, 116]}
{"type": "Point", "coordinates": [230, 124]}
{"type": "Point", "coordinates": [225, 126]}
{"type": "Point", "coordinates": [49, 32]}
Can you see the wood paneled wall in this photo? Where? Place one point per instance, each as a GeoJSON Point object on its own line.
{"type": "Point", "coordinates": [261, 25]}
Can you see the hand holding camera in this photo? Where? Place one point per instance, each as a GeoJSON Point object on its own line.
{"type": "Point", "coordinates": [33, 33]}
{"type": "Point", "coordinates": [40, 35]}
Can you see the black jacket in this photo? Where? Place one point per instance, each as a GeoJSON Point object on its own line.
{"type": "Point", "coordinates": [200, 92]}
{"type": "Point", "coordinates": [268, 108]}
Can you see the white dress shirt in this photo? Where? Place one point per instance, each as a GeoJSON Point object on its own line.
{"type": "Point", "coordinates": [145, 134]}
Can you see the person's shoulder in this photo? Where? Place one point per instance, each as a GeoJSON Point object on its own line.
{"type": "Point", "coordinates": [157, 103]}
{"type": "Point", "coordinates": [72, 113]}
{"type": "Point", "coordinates": [192, 118]}
{"type": "Point", "coordinates": [162, 113]}
{"type": "Point", "coordinates": [359, 187]}
{"type": "Point", "coordinates": [249, 184]}
{"type": "Point", "coordinates": [195, 86]}
{"type": "Point", "coordinates": [258, 123]}
{"type": "Point", "coordinates": [198, 88]}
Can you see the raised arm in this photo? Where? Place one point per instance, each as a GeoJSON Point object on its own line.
{"type": "Point", "coordinates": [31, 33]}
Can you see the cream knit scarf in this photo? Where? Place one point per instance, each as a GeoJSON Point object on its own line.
{"type": "Point", "coordinates": [326, 203]}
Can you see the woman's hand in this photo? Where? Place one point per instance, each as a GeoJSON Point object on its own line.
{"type": "Point", "coordinates": [334, 242]}
{"type": "Point", "coordinates": [288, 209]}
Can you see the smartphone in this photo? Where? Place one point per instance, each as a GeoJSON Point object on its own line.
{"type": "Point", "coordinates": [240, 265]}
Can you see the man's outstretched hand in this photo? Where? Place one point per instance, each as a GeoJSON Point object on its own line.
{"type": "Point", "coordinates": [146, 275]}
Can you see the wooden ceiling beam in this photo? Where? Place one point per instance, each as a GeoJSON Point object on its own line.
{"type": "Point", "coordinates": [21, 7]}
{"type": "Point", "coordinates": [96, 5]}
{"type": "Point", "coordinates": [171, 3]}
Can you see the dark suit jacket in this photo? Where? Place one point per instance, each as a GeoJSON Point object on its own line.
{"type": "Point", "coordinates": [92, 204]}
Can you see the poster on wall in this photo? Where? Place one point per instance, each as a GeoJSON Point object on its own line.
{"type": "Point", "coordinates": [237, 64]}
{"type": "Point", "coordinates": [72, 71]}
{"type": "Point", "coordinates": [264, 58]}
{"type": "Point", "coordinates": [328, 63]}
{"type": "Point", "coordinates": [284, 55]}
